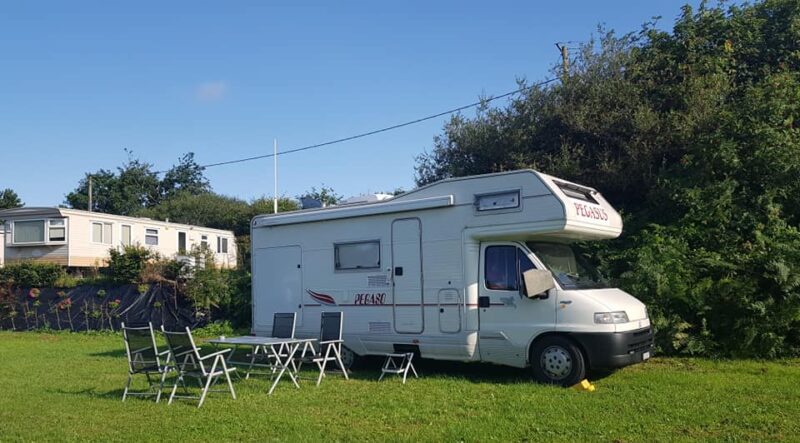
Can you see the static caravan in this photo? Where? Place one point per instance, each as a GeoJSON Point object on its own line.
{"type": "Point", "coordinates": [79, 239]}
{"type": "Point", "coordinates": [472, 269]}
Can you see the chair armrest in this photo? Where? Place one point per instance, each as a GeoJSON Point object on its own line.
{"type": "Point", "coordinates": [214, 354]}
{"type": "Point", "coordinates": [330, 342]}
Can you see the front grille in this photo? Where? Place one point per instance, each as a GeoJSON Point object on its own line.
{"type": "Point", "coordinates": [640, 341]}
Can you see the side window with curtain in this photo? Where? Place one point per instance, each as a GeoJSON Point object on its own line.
{"type": "Point", "coordinates": [503, 267]}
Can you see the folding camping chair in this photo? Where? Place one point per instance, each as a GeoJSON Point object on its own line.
{"type": "Point", "coordinates": [191, 363]}
{"type": "Point", "coordinates": [330, 343]}
{"type": "Point", "coordinates": [399, 363]}
{"type": "Point", "coordinates": [145, 359]}
{"type": "Point", "coordinates": [282, 327]}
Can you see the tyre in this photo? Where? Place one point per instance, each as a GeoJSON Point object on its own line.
{"type": "Point", "coordinates": [557, 360]}
{"type": "Point", "coordinates": [350, 359]}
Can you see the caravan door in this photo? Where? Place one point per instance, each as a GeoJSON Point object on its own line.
{"type": "Point", "coordinates": [407, 275]}
{"type": "Point", "coordinates": [277, 284]}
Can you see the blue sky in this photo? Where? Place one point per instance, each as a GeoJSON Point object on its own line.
{"type": "Point", "coordinates": [81, 81]}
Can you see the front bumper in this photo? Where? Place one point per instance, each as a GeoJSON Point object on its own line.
{"type": "Point", "coordinates": [616, 349]}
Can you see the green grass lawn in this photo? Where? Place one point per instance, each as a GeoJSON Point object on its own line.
{"type": "Point", "coordinates": [69, 387]}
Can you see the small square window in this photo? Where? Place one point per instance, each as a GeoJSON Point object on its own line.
{"type": "Point", "coordinates": [151, 237]}
{"type": "Point", "coordinates": [500, 200]}
{"type": "Point", "coordinates": [101, 232]}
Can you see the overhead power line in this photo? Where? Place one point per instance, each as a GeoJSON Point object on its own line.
{"type": "Point", "coordinates": [377, 131]}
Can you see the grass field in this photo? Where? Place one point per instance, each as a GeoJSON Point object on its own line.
{"type": "Point", "coordinates": [69, 386]}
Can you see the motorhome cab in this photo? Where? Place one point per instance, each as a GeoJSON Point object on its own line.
{"type": "Point", "coordinates": [473, 269]}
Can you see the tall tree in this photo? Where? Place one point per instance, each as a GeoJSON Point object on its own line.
{"type": "Point", "coordinates": [695, 135]}
{"type": "Point", "coordinates": [104, 192]}
{"type": "Point", "coordinates": [9, 199]}
{"type": "Point", "coordinates": [185, 177]}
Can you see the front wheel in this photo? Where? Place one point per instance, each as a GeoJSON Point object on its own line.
{"type": "Point", "coordinates": [558, 361]}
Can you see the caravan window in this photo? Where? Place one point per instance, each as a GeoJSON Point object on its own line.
{"type": "Point", "coordinates": [101, 232]}
{"type": "Point", "coordinates": [497, 200]}
{"type": "Point", "coordinates": [503, 267]}
{"type": "Point", "coordinates": [222, 245]}
{"type": "Point", "coordinates": [576, 192]}
{"type": "Point", "coordinates": [29, 231]}
{"type": "Point", "coordinates": [57, 230]}
{"type": "Point", "coordinates": [357, 255]}
{"type": "Point", "coordinates": [151, 237]}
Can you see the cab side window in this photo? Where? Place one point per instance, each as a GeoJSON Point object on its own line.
{"type": "Point", "coordinates": [503, 266]}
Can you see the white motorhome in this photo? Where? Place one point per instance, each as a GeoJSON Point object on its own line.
{"type": "Point", "coordinates": [472, 269]}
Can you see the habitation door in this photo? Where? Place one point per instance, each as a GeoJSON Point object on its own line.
{"type": "Point", "coordinates": [277, 283]}
{"type": "Point", "coordinates": [407, 275]}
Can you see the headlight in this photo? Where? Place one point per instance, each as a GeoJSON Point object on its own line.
{"type": "Point", "coordinates": [611, 317]}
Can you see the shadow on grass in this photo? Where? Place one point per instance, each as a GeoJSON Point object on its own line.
{"type": "Point", "coordinates": [114, 353]}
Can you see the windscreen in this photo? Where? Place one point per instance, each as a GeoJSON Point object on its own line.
{"type": "Point", "coordinates": [570, 269]}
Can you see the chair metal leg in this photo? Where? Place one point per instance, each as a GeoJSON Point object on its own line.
{"type": "Point", "coordinates": [161, 385]}
{"type": "Point", "coordinates": [336, 350]}
{"type": "Point", "coordinates": [175, 388]}
{"type": "Point", "coordinates": [205, 391]}
{"type": "Point", "coordinates": [127, 386]}
{"type": "Point", "coordinates": [209, 379]}
{"type": "Point", "coordinates": [228, 378]}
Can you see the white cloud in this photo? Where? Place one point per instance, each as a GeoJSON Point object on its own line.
{"type": "Point", "coordinates": [211, 91]}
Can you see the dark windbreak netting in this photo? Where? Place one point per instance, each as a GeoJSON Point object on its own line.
{"type": "Point", "coordinates": [96, 308]}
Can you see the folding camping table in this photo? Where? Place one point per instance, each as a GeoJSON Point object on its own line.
{"type": "Point", "coordinates": [282, 350]}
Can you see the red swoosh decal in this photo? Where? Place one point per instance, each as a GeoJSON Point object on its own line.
{"type": "Point", "coordinates": [322, 298]}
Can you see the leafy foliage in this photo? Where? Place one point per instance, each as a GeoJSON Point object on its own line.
{"type": "Point", "coordinates": [325, 195]}
{"type": "Point", "coordinates": [214, 210]}
{"type": "Point", "coordinates": [695, 135]}
{"type": "Point", "coordinates": [185, 177]}
{"type": "Point", "coordinates": [30, 274]}
{"type": "Point", "coordinates": [126, 266]}
{"type": "Point", "coordinates": [135, 186]}
{"type": "Point", "coordinates": [9, 199]}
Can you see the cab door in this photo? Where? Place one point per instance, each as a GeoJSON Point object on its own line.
{"type": "Point", "coordinates": [508, 320]}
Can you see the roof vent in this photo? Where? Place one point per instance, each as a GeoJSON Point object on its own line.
{"type": "Point", "coordinates": [309, 203]}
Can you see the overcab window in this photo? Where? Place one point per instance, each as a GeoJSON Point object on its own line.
{"type": "Point", "coordinates": [357, 255]}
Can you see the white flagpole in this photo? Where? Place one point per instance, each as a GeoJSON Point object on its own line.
{"type": "Point", "coordinates": [275, 165]}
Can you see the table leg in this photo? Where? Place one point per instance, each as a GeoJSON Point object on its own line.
{"type": "Point", "coordinates": [284, 365]}
{"type": "Point", "coordinates": [252, 361]}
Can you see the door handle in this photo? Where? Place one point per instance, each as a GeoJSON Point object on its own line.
{"type": "Point", "coordinates": [483, 301]}
{"type": "Point", "coordinates": [441, 310]}
{"type": "Point", "coordinates": [398, 271]}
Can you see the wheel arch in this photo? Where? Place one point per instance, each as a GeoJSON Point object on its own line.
{"type": "Point", "coordinates": [566, 335]}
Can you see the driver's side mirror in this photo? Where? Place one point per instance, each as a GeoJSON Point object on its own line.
{"type": "Point", "coordinates": [537, 282]}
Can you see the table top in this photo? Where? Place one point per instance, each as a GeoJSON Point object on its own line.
{"type": "Point", "coordinates": [256, 341]}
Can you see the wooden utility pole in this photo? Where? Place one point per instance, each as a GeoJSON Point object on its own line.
{"type": "Point", "coordinates": [90, 193]}
{"type": "Point", "coordinates": [564, 57]}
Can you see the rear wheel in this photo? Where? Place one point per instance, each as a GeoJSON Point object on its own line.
{"type": "Point", "coordinates": [350, 359]}
{"type": "Point", "coordinates": [557, 360]}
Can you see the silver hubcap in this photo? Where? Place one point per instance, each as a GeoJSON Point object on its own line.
{"type": "Point", "coordinates": [556, 362]}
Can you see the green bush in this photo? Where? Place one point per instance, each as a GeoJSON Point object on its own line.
{"type": "Point", "coordinates": [67, 281]}
{"type": "Point", "coordinates": [225, 293]}
{"type": "Point", "coordinates": [126, 266]}
{"type": "Point", "coordinates": [29, 273]}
